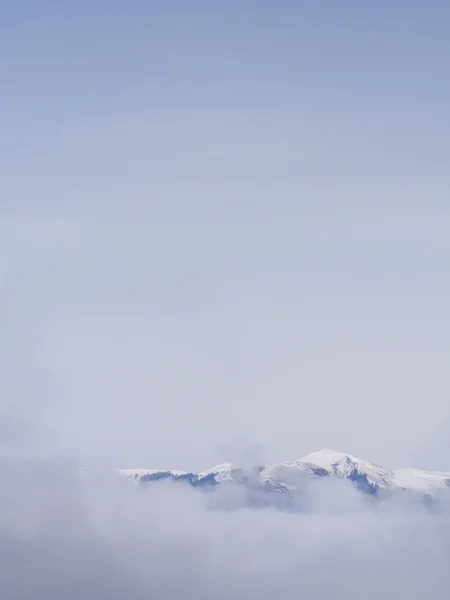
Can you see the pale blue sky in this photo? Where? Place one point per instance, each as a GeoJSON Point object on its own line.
{"type": "Point", "coordinates": [220, 221]}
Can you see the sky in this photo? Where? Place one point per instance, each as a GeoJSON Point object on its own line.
{"type": "Point", "coordinates": [224, 231]}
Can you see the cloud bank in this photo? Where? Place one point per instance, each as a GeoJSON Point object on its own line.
{"type": "Point", "coordinates": [66, 533]}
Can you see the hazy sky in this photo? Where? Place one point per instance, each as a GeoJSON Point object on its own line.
{"type": "Point", "coordinates": [223, 221]}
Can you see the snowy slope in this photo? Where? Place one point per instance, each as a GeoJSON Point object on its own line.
{"type": "Point", "coordinates": [346, 465]}
{"type": "Point", "coordinates": [220, 473]}
{"type": "Point", "coordinates": [421, 481]}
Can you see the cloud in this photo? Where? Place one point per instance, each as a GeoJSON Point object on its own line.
{"type": "Point", "coordinates": [242, 451]}
{"type": "Point", "coordinates": [67, 533]}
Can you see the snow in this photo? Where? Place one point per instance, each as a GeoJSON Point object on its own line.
{"type": "Point", "coordinates": [138, 473]}
{"type": "Point", "coordinates": [412, 479]}
{"type": "Point", "coordinates": [421, 481]}
{"type": "Point", "coordinates": [217, 469]}
{"type": "Point", "coordinates": [291, 474]}
{"type": "Point", "coordinates": [328, 458]}
{"type": "Point", "coordinates": [338, 463]}
{"type": "Point", "coordinates": [221, 472]}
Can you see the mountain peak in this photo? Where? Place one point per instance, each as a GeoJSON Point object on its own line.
{"type": "Point", "coordinates": [328, 457]}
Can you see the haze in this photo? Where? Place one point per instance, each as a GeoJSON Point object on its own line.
{"type": "Point", "coordinates": [224, 231]}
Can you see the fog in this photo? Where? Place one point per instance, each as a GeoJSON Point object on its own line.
{"type": "Point", "coordinates": [156, 343]}
{"type": "Point", "coordinates": [72, 534]}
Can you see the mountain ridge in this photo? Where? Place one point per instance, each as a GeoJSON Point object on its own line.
{"type": "Point", "coordinates": [289, 476]}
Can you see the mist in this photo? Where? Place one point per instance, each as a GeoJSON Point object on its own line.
{"type": "Point", "coordinates": [67, 533]}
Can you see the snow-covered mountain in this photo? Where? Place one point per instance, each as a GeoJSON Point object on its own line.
{"type": "Point", "coordinates": [290, 476]}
